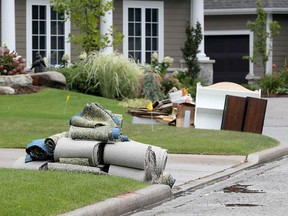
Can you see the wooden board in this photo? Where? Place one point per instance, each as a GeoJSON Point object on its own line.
{"type": "Point", "coordinates": [255, 115]}
{"type": "Point", "coordinates": [233, 113]}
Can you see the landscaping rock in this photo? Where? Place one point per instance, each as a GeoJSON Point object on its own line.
{"type": "Point", "coordinates": [51, 79]}
{"type": "Point", "coordinates": [16, 81]}
{"type": "Point", "coordinates": [6, 90]}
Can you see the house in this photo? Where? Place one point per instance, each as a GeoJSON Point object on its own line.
{"type": "Point", "coordinates": [31, 26]}
{"type": "Point", "coordinates": [227, 37]}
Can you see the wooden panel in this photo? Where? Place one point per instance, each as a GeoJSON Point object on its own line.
{"type": "Point", "coordinates": [255, 114]}
{"type": "Point", "coordinates": [233, 113]}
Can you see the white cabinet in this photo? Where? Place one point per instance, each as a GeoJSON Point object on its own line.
{"type": "Point", "coordinates": [210, 102]}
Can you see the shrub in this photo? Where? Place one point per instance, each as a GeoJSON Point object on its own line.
{"type": "Point", "coordinates": [169, 82]}
{"type": "Point", "coordinates": [276, 83]}
{"type": "Point", "coordinates": [269, 83]}
{"type": "Point", "coordinates": [153, 85]}
{"type": "Point", "coordinates": [188, 82]}
{"type": "Point", "coordinates": [114, 75]}
{"type": "Point", "coordinates": [150, 85]}
{"type": "Point", "coordinates": [10, 62]}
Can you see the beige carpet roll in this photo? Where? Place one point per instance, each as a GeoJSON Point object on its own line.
{"type": "Point", "coordinates": [69, 148]}
{"type": "Point", "coordinates": [127, 154]}
{"type": "Point", "coordinates": [126, 172]}
{"type": "Point", "coordinates": [51, 141]}
{"type": "Point", "coordinates": [132, 154]}
{"type": "Point", "coordinates": [33, 165]}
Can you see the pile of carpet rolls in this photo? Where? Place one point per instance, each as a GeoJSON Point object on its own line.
{"type": "Point", "coordinates": [95, 144]}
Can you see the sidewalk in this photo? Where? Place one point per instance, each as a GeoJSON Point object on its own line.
{"type": "Point", "coordinates": [190, 171]}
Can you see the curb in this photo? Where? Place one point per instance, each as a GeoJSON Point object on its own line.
{"type": "Point", "coordinates": [251, 160]}
{"type": "Point", "coordinates": [126, 203]}
{"type": "Point", "coordinates": [268, 154]}
{"type": "Point", "coordinates": [153, 194]}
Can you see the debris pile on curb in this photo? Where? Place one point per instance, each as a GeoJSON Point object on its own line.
{"type": "Point", "coordinates": [95, 144]}
{"type": "Point", "coordinates": [172, 111]}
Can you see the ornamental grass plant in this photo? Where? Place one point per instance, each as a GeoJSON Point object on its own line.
{"type": "Point", "coordinates": [114, 75]}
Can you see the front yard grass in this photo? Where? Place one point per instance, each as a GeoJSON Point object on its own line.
{"type": "Point", "coordinates": [33, 116]}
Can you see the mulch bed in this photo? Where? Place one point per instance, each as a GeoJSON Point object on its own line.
{"type": "Point", "coordinates": [27, 90]}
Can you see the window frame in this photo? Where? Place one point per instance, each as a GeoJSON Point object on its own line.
{"type": "Point", "coordinates": [67, 29]}
{"type": "Point", "coordinates": [144, 5]}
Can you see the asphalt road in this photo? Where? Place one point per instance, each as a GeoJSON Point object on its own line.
{"type": "Point", "coordinates": [259, 191]}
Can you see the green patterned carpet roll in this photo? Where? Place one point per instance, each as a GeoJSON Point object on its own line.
{"type": "Point", "coordinates": [95, 115]}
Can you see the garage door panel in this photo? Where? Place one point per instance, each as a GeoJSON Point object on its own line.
{"type": "Point", "coordinates": [228, 51]}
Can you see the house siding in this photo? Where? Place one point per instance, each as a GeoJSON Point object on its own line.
{"type": "Point", "coordinates": [75, 49]}
{"type": "Point", "coordinates": [20, 27]}
{"type": "Point", "coordinates": [174, 28]}
{"type": "Point", "coordinates": [227, 23]}
{"type": "Point", "coordinates": [118, 21]}
{"type": "Point", "coordinates": [280, 42]}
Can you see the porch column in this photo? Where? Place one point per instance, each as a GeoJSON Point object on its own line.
{"type": "Point", "coordinates": [8, 23]}
{"type": "Point", "coordinates": [197, 14]}
{"type": "Point", "coordinates": [105, 28]}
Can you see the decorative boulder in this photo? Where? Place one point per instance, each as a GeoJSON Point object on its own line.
{"type": "Point", "coordinates": [16, 81]}
{"type": "Point", "coordinates": [50, 79]}
{"type": "Point", "coordinates": [5, 90]}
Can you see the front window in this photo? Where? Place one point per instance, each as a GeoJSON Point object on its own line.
{"type": "Point", "coordinates": [47, 32]}
{"type": "Point", "coordinates": [57, 37]}
{"type": "Point", "coordinates": [143, 30]}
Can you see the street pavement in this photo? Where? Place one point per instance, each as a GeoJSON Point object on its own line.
{"type": "Point", "coordinates": [190, 171]}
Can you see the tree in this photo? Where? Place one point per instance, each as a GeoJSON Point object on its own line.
{"type": "Point", "coordinates": [190, 50]}
{"type": "Point", "coordinates": [86, 14]}
{"type": "Point", "coordinates": [261, 52]}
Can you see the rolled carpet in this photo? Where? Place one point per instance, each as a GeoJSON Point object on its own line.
{"type": "Point", "coordinates": [75, 168]}
{"type": "Point", "coordinates": [127, 172]}
{"type": "Point", "coordinates": [127, 154]}
{"type": "Point", "coordinates": [51, 141]}
{"type": "Point", "coordinates": [33, 165]}
{"type": "Point", "coordinates": [38, 151]}
{"type": "Point", "coordinates": [103, 133]}
{"type": "Point", "coordinates": [161, 159]}
{"type": "Point", "coordinates": [75, 161]}
{"type": "Point", "coordinates": [95, 115]}
{"type": "Point", "coordinates": [133, 154]}
{"type": "Point", "coordinates": [69, 148]}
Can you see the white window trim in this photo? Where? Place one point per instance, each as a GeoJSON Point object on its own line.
{"type": "Point", "coordinates": [29, 58]}
{"type": "Point", "coordinates": [237, 32]}
{"type": "Point", "coordinates": [143, 5]}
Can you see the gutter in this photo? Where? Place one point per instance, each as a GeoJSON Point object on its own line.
{"type": "Point", "coordinates": [241, 11]}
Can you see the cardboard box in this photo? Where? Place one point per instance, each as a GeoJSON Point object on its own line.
{"type": "Point", "coordinates": [185, 115]}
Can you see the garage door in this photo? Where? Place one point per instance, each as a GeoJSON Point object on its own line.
{"type": "Point", "coordinates": [228, 51]}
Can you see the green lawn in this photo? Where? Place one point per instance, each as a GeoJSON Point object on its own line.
{"type": "Point", "coordinates": [29, 193]}
{"type": "Point", "coordinates": [27, 117]}
{"type": "Point", "coordinates": [34, 116]}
